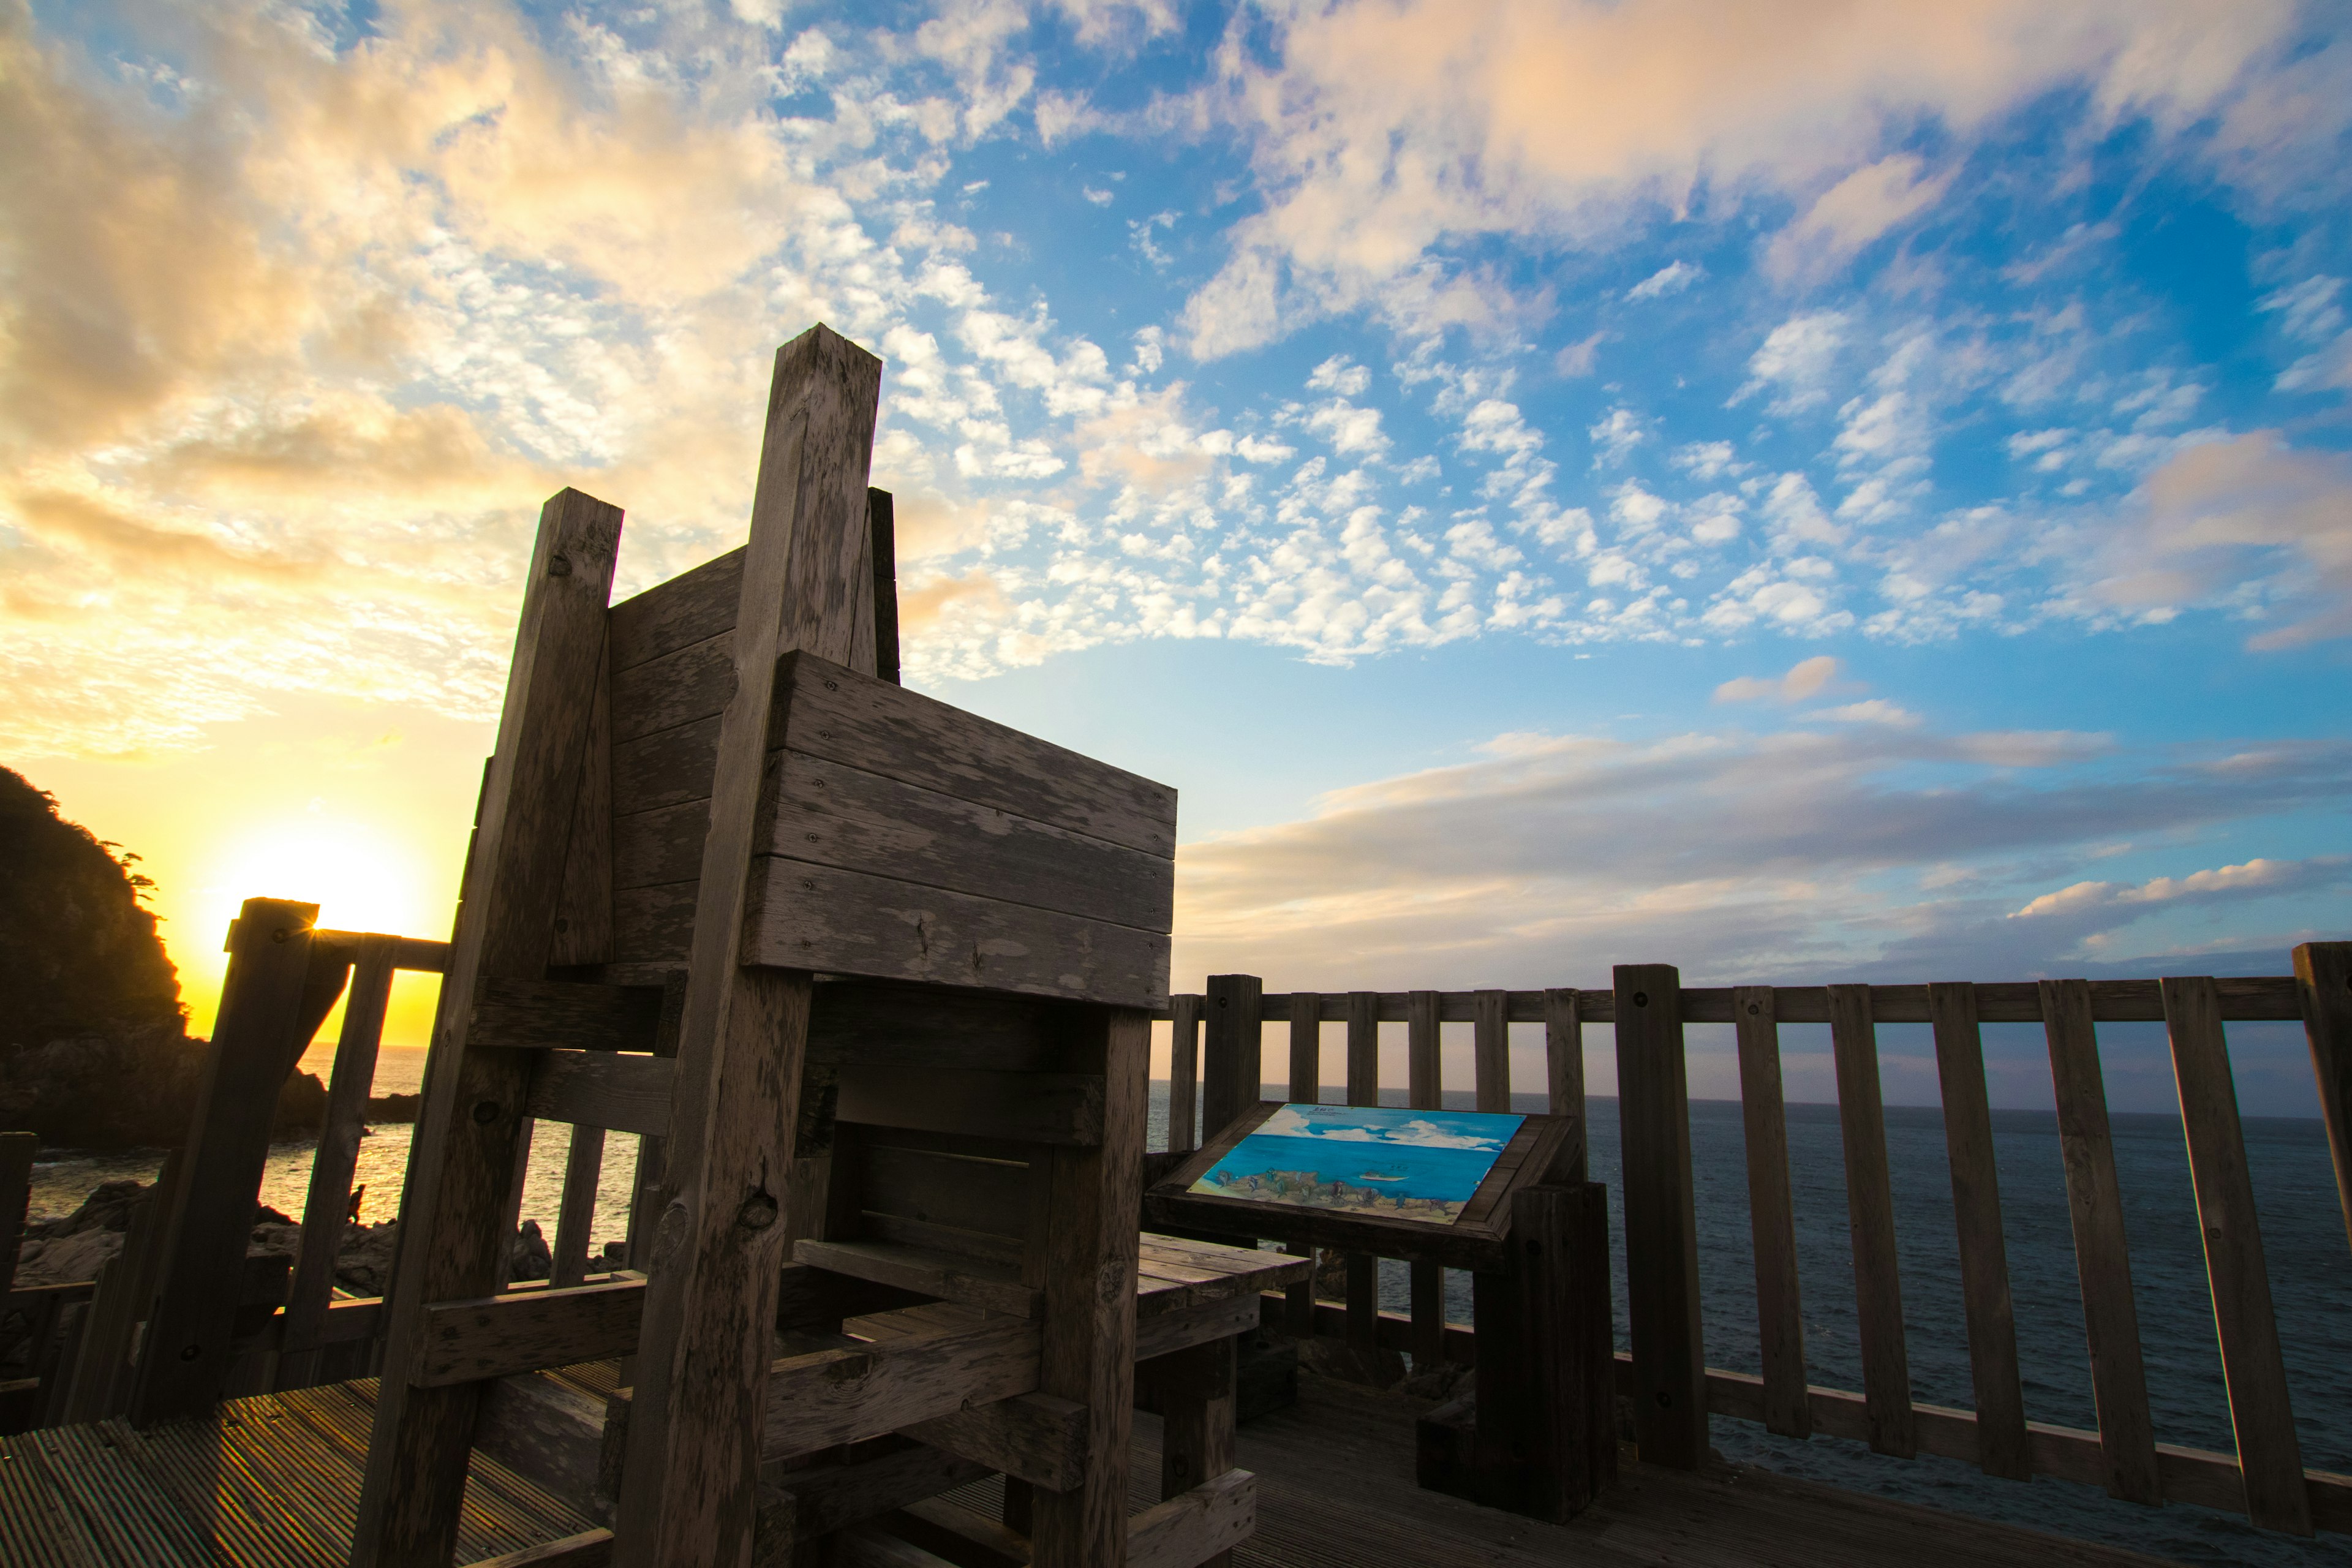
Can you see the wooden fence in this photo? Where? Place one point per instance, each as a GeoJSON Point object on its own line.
{"type": "Point", "coordinates": [1671, 1389]}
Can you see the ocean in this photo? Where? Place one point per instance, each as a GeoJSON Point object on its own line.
{"type": "Point", "coordinates": [2302, 1233]}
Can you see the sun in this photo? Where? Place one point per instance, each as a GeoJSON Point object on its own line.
{"type": "Point", "coordinates": [360, 879]}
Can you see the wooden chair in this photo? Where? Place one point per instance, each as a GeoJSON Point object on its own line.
{"type": "Point", "coordinates": [872, 976]}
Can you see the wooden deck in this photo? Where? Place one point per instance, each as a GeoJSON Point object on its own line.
{"type": "Point", "coordinates": [272, 1481]}
{"type": "Point", "coordinates": [276, 1481]}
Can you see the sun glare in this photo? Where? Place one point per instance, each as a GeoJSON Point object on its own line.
{"type": "Point", "coordinates": [358, 877]}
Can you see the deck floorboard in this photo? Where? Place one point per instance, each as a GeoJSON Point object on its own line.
{"type": "Point", "coordinates": [274, 1480]}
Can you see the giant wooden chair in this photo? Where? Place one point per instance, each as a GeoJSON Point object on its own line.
{"type": "Point", "coordinates": [873, 977]}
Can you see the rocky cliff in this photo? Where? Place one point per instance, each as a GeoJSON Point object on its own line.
{"type": "Point", "coordinates": [94, 1049]}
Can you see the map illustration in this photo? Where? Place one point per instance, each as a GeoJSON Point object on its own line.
{"type": "Point", "coordinates": [1362, 1158]}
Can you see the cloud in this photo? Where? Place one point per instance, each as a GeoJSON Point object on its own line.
{"type": "Point", "coordinates": [1670, 279]}
{"type": "Point", "coordinates": [1806, 680]}
{"type": "Point", "coordinates": [1797, 356]}
{"type": "Point", "coordinates": [1549, 857]}
{"type": "Point", "coordinates": [1390, 137]}
{"type": "Point", "coordinates": [2249, 520]}
{"type": "Point", "coordinates": [1851, 213]}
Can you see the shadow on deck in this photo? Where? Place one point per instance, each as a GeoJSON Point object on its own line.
{"type": "Point", "coordinates": [276, 1481]}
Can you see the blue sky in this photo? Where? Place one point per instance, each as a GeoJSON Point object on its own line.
{"type": "Point", "coordinates": [1806, 491]}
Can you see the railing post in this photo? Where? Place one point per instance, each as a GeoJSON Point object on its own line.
{"type": "Point", "coordinates": [16, 1152]}
{"type": "Point", "coordinates": [1661, 1218]}
{"type": "Point", "coordinates": [1183, 1071]}
{"type": "Point", "coordinates": [1230, 1075]}
{"type": "Point", "coordinates": [1425, 1090]}
{"type": "Point", "coordinates": [2323, 974]}
{"type": "Point", "coordinates": [273, 998]}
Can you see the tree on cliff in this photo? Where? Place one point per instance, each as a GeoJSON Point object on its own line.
{"type": "Point", "coordinates": [79, 954]}
{"type": "Point", "coordinates": [94, 1050]}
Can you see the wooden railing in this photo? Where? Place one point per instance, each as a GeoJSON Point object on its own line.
{"type": "Point", "coordinates": [1673, 1390]}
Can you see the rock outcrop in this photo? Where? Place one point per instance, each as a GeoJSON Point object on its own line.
{"type": "Point", "coordinates": [94, 1049]}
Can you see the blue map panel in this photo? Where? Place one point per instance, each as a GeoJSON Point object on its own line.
{"type": "Point", "coordinates": [1362, 1159]}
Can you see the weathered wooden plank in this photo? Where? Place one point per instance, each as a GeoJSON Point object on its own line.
{"type": "Point", "coordinates": [588, 1548]}
{"type": "Point", "coordinates": [1563, 1025]}
{"type": "Point", "coordinates": [2252, 1364]}
{"type": "Point", "coordinates": [942, 1275]}
{"type": "Point", "coordinates": [1363, 1272]}
{"type": "Point", "coordinates": [897, 734]}
{"type": "Point", "coordinates": [548, 1431]}
{"type": "Point", "coordinates": [937, 1186]}
{"type": "Point", "coordinates": [2323, 978]}
{"type": "Point", "coordinates": [804, 1503]}
{"type": "Point", "coordinates": [601, 1088]}
{"type": "Point", "coordinates": [264, 1024]}
{"type": "Point", "coordinates": [583, 916]}
{"type": "Point", "coordinates": [1197, 1416]}
{"type": "Point", "coordinates": [882, 550]}
{"type": "Point", "coordinates": [328, 1202]}
{"type": "Point", "coordinates": [870, 1546]}
{"type": "Point", "coordinates": [844, 1395]}
{"type": "Point", "coordinates": [522, 1330]}
{"type": "Point", "coordinates": [1199, 1526]}
{"type": "Point", "coordinates": [1772, 1213]}
{"type": "Point", "coordinates": [1090, 1273]}
{"type": "Point", "coordinates": [688, 608]}
{"type": "Point", "coordinates": [1869, 1211]}
{"type": "Point", "coordinates": [1306, 1089]}
{"type": "Point", "coordinates": [2002, 1448]}
{"type": "Point", "coordinates": [1025, 1106]}
{"type": "Point", "coordinates": [1491, 1050]}
{"type": "Point", "coordinates": [2101, 1257]}
{"type": "Point", "coordinates": [832, 815]}
{"type": "Point", "coordinates": [516, 1014]}
{"type": "Point", "coordinates": [1661, 1226]}
{"type": "Point", "coordinates": [1231, 1070]}
{"type": "Point", "coordinates": [1034, 1436]}
{"type": "Point", "coordinates": [576, 1212]}
{"type": "Point", "coordinates": [1424, 1091]}
{"type": "Point", "coordinates": [849, 922]}
{"type": "Point", "coordinates": [1183, 1072]}
{"type": "Point", "coordinates": [690, 1487]}
{"type": "Point", "coordinates": [465, 1156]}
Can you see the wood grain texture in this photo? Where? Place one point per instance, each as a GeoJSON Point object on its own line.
{"type": "Point", "coordinates": [1197, 1415]}
{"type": "Point", "coordinates": [1199, 1526]}
{"type": "Point", "coordinates": [850, 922]}
{"type": "Point", "coordinates": [2323, 980]}
{"type": "Point", "coordinates": [690, 1487]}
{"type": "Point", "coordinates": [2252, 1363]}
{"type": "Point", "coordinates": [893, 732]}
{"type": "Point", "coordinates": [1491, 1050]}
{"type": "Point", "coordinates": [523, 1331]}
{"type": "Point", "coordinates": [1023, 1106]}
{"type": "Point", "coordinates": [1361, 1270]}
{"type": "Point", "coordinates": [1661, 1227]}
{"type": "Point", "coordinates": [1563, 1023]}
{"type": "Point", "coordinates": [514, 1014]}
{"type": "Point", "coordinates": [943, 1276]}
{"type": "Point", "coordinates": [833, 1396]}
{"type": "Point", "coordinates": [882, 535]}
{"type": "Point", "coordinates": [2101, 1257]}
{"type": "Point", "coordinates": [831, 814]}
{"type": "Point", "coordinates": [601, 1088]}
{"type": "Point", "coordinates": [811, 1500]}
{"type": "Point", "coordinates": [1184, 1072]}
{"type": "Point", "coordinates": [463, 1162]}
{"type": "Point", "coordinates": [1306, 1048]}
{"type": "Point", "coordinates": [691, 607]}
{"type": "Point", "coordinates": [257, 1036]}
{"type": "Point", "coordinates": [2002, 1448]}
{"type": "Point", "coordinates": [1772, 1213]}
{"type": "Point", "coordinates": [1870, 1212]}
{"type": "Point", "coordinates": [1424, 1091]}
{"type": "Point", "coordinates": [583, 917]}
{"type": "Point", "coordinates": [576, 1209]}
{"type": "Point", "coordinates": [327, 1201]}
{"type": "Point", "coordinates": [1090, 1318]}
{"type": "Point", "coordinates": [1034, 1436]}
{"type": "Point", "coordinates": [1231, 1056]}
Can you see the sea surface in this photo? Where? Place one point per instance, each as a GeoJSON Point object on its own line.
{"type": "Point", "coordinates": [2302, 1233]}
